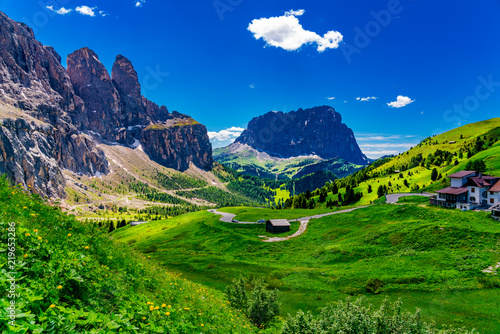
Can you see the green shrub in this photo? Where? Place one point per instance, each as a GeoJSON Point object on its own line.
{"type": "Point", "coordinates": [374, 286]}
{"type": "Point", "coordinates": [349, 317]}
{"type": "Point", "coordinates": [260, 305]}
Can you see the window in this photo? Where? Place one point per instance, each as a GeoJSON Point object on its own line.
{"type": "Point", "coordinates": [472, 199]}
{"type": "Point", "coordinates": [472, 190]}
{"type": "Point", "coordinates": [492, 200]}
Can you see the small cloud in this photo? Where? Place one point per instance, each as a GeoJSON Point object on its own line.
{"type": "Point", "coordinates": [330, 98]}
{"type": "Point", "coordinates": [85, 10]}
{"type": "Point", "coordinates": [375, 154]}
{"type": "Point", "coordinates": [140, 3]}
{"type": "Point", "coordinates": [60, 11]}
{"type": "Point", "coordinates": [102, 13]}
{"type": "Point", "coordinates": [365, 99]}
{"type": "Point", "coordinates": [402, 101]}
{"type": "Point", "coordinates": [226, 136]}
{"type": "Point", "coordinates": [292, 12]}
{"type": "Point", "coordinates": [383, 137]}
{"type": "Point", "coordinates": [252, 86]}
{"type": "Point", "coordinates": [287, 33]}
{"type": "Point", "coordinates": [345, 101]}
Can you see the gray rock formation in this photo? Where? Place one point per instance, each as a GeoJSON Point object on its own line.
{"type": "Point", "coordinates": [53, 118]}
{"type": "Point", "coordinates": [316, 131]}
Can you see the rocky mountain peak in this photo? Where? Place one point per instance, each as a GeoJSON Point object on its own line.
{"type": "Point", "coordinates": [125, 78]}
{"type": "Point", "coordinates": [315, 131]}
{"type": "Point", "coordinates": [54, 118]}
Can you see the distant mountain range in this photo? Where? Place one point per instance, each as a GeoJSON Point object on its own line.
{"type": "Point", "coordinates": [290, 145]}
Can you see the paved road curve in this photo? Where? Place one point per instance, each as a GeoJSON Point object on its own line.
{"type": "Point", "coordinates": [394, 198]}
{"type": "Point", "coordinates": [228, 217]}
{"type": "Point", "coordinates": [391, 199]}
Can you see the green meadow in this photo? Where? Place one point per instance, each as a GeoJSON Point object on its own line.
{"type": "Point", "coordinates": [431, 258]}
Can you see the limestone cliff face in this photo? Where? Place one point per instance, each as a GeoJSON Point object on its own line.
{"type": "Point", "coordinates": [121, 114]}
{"type": "Point", "coordinates": [53, 118]}
{"type": "Point", "coordinates": [316, 131]}
{"type": "Point", "coordinates": [34, 86]}
{"type": "Point", "coordinates": [177, 143]}
{"type": "Point", "coordinates": [93, 85]}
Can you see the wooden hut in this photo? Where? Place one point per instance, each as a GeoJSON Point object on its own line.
{"type": "Point", "coordinates": [277, 226]}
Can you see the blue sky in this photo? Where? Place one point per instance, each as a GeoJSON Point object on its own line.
{"type": "Point", "coordinates": [397, 71]}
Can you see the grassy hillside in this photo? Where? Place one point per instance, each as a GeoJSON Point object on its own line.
{"type": "Point", "coordinates": [411, 171]}
{"type": "Point", "coordinates": [430, 257]}
{"type": "Point", "coordinates": [72, 278]}
{"type": "Point", "coordinates": [249, 161]}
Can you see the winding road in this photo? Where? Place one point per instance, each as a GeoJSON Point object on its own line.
{"type": "Point", "coordinates": [228, 217]}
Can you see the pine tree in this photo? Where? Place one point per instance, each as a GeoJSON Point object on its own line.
{"type": "Point", "coordinates": [434, 174]}
{"type": "Point", "coordinates": [380, 191]}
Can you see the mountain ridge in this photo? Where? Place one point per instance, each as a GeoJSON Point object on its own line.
{"type": "Point", "coordinates": [54, 118]}
{"type": "Point", "coordinates": [290, 145]}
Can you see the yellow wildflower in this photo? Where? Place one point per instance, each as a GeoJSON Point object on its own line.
{"type": "Point", "coordinates": [27, 234]}
{"type": "Point", "coordinates": [25, 255]}
{"type": "Point", "coordinates": [52, 306]}
{"type": "Point", "coordinates": [69, 235]}
{"type": "Point", "coordinates": [39, 238]}
{"type": "Point", "coordinates": [168, 313]}
{"type": "Point", "coordinates": [163, 305]}
{"type": "Point", "coordinates": [86, 247]}
{"type": "Point", "coordinates": [59, 287]}
{"type": "Point", "coordinates": [151, 308]}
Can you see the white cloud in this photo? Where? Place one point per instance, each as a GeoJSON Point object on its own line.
{"type": "Point", "coordinates": [225, 135]}
{"type": "Point", "coordinates": [402, 101]}
{"type": "Point", "coordinates": [252, 86]}
{"type": "Point", "coordinates": [60, 11]}
{"type": "Point", "coordinates": [377, 138]}
{"type": "Point", "coordinates": [379, 153]}
{"type": "Point", "coordinates": [85, 10]}
{"type": "Point", "coordinates": [140, 3]}
{"type": "Point", "coordinates": [102, 13]}
{"type": "Point", "coordinates": [287, 33]}
{"type": "Point", "coordinates": [406, 146]}
{"type": "Point", "coordinates": [299, 12]}
{"type": "Point", "coordinates": [330, 98]}
{"type": "Point", "coordinates": [365, 99]}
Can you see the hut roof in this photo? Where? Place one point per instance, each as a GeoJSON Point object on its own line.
{"type": "Point", "coordinates": [279, 222]}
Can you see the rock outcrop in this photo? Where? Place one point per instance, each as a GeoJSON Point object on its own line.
{"type": "Point", "coordinates": [53, 118]}
{"type": "Point", "coordinates": [316, 131]}
{"type": "Point", "coordinates": [117, 112]}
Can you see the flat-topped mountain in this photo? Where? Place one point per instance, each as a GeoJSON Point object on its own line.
{"type": "Point", "coordinates": [54, 118]}
{"type": "Point", "coordinates": [315, 131]}
{"type": "Point", "coordinates": [290, 145]}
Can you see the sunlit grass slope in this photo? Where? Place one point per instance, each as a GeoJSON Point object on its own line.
{"type": "Point", "coordinates": [430, 257]}
{"type": "Point", "coordinates": [72, 278]}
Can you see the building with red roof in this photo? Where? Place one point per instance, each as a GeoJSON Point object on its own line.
{"type": "Point", "coordinates": [469, 190]}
